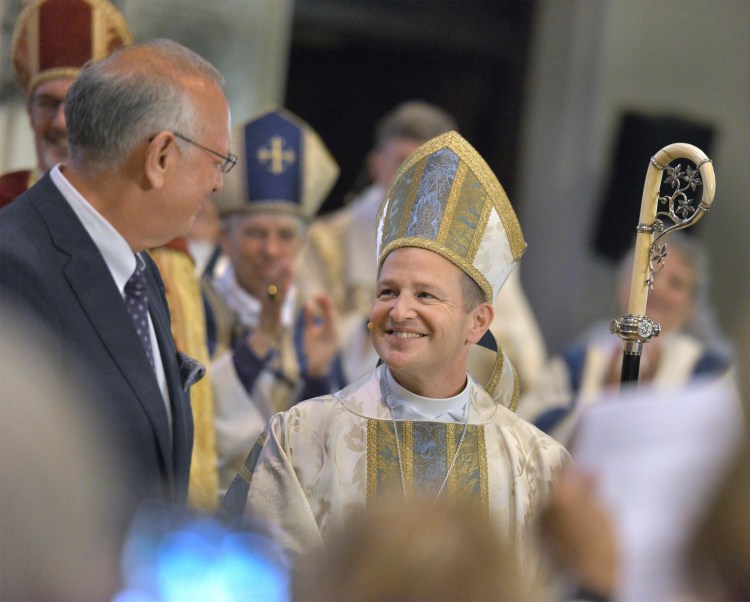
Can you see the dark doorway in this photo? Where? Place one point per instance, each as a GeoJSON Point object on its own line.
{"type": "Point", "coordinates": [352, 61]}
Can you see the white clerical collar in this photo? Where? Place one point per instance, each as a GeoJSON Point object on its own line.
{"type": "Point", "coordinates": [246, 305]}
{"type": "Point", "coordinates": [115, 250]}
{"type": "Point", "coordinates": [410, 406]}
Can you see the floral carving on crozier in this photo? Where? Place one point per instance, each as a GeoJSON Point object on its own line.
{"type": "Point", "coordinates": [657, 255]}
{"type": "Point", "coordinates": [678, 208]}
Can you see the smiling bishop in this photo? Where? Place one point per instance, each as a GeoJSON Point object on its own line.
{"type": "Point", "coordinates": [419, 424]}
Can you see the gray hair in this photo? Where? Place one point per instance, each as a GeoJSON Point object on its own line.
{"type": "Point", "coordinates": [415, 120]}
{"type": "Point", "coordinates": [110, 109]}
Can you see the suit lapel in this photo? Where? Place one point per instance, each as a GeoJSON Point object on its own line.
{"type": "Point", "coordinates": [181, 412]}
{"type": "Point", "coordinates": [105, 308]}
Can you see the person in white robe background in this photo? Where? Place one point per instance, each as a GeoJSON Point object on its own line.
{"type": "Point", "coordinates": [272, 344]}
{"type": "Point", "coordinates": [690, 344]}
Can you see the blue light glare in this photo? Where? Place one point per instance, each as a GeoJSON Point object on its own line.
{"type": "Point", "coordinates": [204, 562]}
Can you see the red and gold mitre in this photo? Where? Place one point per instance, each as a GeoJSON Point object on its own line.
{"type": "Point", "coordinates": [52, 39]}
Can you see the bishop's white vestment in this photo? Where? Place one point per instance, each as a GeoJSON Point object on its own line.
{"type": "Point", "coordinates": [317, 462]}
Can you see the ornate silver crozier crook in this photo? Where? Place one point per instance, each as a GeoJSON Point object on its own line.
{"type": "Point", "coordinates": [650, 249]}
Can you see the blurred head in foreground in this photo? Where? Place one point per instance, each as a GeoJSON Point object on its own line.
{"type": "Point", "coordinates": [61, 527]}
{"type": "Point", "coordinates": [412, 549]}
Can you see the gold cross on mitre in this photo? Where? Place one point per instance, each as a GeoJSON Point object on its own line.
{"type": "Point", "coordinates": [276, 155]}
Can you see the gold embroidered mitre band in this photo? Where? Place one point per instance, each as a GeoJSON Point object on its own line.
{"type": "Point", "coordinates": [283, 167]}
{"type": "Point", "coordinates": [446, 199]}
{"type": "Point", "coordinates": [52, 39]}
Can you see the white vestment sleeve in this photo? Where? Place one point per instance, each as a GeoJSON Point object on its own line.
{"type": "Point", "coordinates": [276, 495]}
{"type": "Point", "coordinates": [237, 418]}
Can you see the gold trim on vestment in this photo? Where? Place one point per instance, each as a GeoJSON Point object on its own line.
{"type": "Point", "coordinates": [188, 329]}
{"type": "Point", "coordinates": [372, 460]}
{"type": "Point", "coordinates": [248, 466]}
{"type": "Point", "coordinates": [469, 480]}
{"type": "Point", "coordinates": [450, 451]}
{"type": "Point", "coordinates": [383, 472]}
{"type": "Point", "coordinates": [484, 480]}
{"type": "Point", "coordinates": [246, 474]}
{"type": "Point", "coordinates": [496, 372]}
{"type": "Point", "coordinates": [226, 321]}
{"type": "Point", "coordinates": [516, 391]}
{"type": "Point", "coordinates": [407, 453]}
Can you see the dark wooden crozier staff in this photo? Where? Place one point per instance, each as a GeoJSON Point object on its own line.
{"type": "Point", "coordinates": [650, 248]}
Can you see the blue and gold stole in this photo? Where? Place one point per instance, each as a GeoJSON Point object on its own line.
{"type": "Point", "coordinates": [427, 450]}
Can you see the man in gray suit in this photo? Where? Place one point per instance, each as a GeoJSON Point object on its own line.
{"type": "Point", "coordinates": [148, 130]}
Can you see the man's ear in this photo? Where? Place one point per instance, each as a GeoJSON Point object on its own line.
{"type": "Point", "coordinates": [481, 319]}
{"type": "Point", "coordinates": [160, 154]}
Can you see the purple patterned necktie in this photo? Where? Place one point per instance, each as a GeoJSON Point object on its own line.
{"type": "Point", "coordinates": [136, 302]}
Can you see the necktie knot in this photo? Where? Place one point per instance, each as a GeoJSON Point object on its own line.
{"type": "Point", "coordinates": [136, 284]}
{"type": "Point", "coordinates": [136, 302]}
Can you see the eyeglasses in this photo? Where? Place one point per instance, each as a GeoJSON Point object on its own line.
{"type": "Point", "coordinates": [228, 161]}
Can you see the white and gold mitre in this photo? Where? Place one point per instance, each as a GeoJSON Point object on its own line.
{"type": "Point", "coordinates": [446, 199]}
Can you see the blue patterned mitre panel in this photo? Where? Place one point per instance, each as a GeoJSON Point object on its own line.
{"type": "Point", "coordinates": [432, 195]}
{"type": "Point", "coordinates": [273, 159]}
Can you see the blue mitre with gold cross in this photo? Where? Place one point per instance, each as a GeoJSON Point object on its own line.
{"type": "Point", "coordinates": [446, 199]}
{"type": "Point", "coordinates": [283, 167]}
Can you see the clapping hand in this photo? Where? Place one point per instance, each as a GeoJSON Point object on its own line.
{"type": "Point", "coordinates": [321, 342]}
{"type": "Point", "coordinates": [271, 294]}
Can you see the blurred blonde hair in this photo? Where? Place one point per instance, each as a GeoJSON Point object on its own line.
{"type": "Point", "coordinates": [413, 550]}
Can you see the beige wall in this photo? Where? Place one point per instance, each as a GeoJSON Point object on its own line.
{"type": "Point", "coordinates": [248, 40]}
{"type": "Point", "coordinates": [16, 140]}
{"type": "Point", "coordinates": [590, 61]}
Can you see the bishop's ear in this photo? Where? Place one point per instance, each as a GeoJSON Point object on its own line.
{"type": "Point", "coordinates": [481, 319]}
